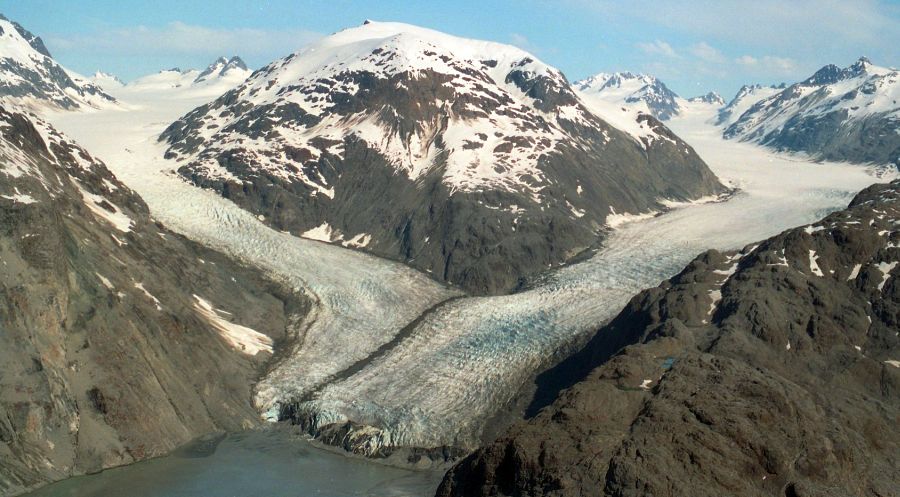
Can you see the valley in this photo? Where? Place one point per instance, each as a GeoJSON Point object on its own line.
{"type": "Point", "coordinates": [399, 262]}
{"type": "Point", "coordinates": [465, 361]}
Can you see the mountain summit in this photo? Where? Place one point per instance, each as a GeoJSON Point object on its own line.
{"type": "Point", "coordinates": [711, 98]}
{"type": "Point", "coordinates": [469, 159]}
{"type": "Point", "coordinates": [29, 74]}
{"type": "Point", "coordinates": [222, 67]}
{"type": "Point", "coordinates": [630, 88]}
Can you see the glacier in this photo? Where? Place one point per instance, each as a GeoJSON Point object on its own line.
{"type": "Point", "coordinates": [413, 363]}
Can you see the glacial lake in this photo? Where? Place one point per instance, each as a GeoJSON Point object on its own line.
{"type": "Point", "coordinates": [264, 463]}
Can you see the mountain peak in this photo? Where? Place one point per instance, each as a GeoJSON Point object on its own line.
{"type": "Point", "coordinates": [831, 73]}
{"type": "Point", "coordinates": [222, 67]}
{"type": "Point", "coordinates": [34, 41]}
{"type": "Point", "coordinates": [633, 88]}
{"type": "Point", "coordinates": [861, 66]}
{"type": "Point", "coordinates": [710, 98]}
{"type": "Point", "coordinates": [460, 124]}
{"type": "Point", "coordinates": [237, 62]}
{"type": "Point", "coordinates": [28, 70]}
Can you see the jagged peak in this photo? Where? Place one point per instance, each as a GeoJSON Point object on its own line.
{"type": "Point", "coordinates": [830, 74]}
{"type": "Point", "coordinates": [237, 62]}
{"type": "Point", "coordinates": [862, 61]}
{"type": "Point", "coordinates": [709, 98]}
{"type": "Point", "coordinates": [33, 41]}
{"type": "Point", "coordinates": [222, 66]}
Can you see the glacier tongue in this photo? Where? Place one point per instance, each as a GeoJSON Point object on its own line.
{"type": "Point", "coordinates": [361, 301]}
{"type": "Point", "coordinates": [467, 359]}
{"type": "Point", "coordinates": [437, 382]}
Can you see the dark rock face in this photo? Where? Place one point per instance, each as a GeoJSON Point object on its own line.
{"type": "Point", "coordinates": [773, 371]}
{"type": "Point", "coordinates": [32, 73]}
{"type": "Point", "coordinates": [479, 173]}
{"type": "Point", "coordinates": [105, 355]}
{"type": "Point", "coordinates": [837, 114]}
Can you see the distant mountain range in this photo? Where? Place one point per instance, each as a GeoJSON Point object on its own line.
{"type": "Point", "coordinates": [842, 114]}
{"type": "Point", "coordinates": [222, 73]}
{"type": "Point", "coordinates": [471, 160]}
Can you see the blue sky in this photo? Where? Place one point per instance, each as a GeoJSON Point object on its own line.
{"type": "Point", "coordinates": [693, 45]}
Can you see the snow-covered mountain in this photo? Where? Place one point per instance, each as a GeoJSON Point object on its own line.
{"type": "Point", "coordinates": [850, 114]}
{"type": "Point", "coordinates": [232, 68]}
{"type": "Point", "coordinates": [647, 93]}
{"type": "Point", "coordinates": [469, 159]}
{"type": "Point", "coordinates": [106, 81]}
{"type": "Point", "coordinates": [745, 98]}
{"type": "Point", "coordinates": [222, 73]}
{"type": "Point", "coordinates": [711, 98]}
{"type": "Point", "coordinates": [30, 76]}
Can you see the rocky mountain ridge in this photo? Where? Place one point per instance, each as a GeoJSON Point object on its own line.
{"type": "Point", "coordinates": [745, 98]}
{"type": "Point", "coordinates": [29, 75]}
{"type": "Point", "coordinates": [840, 114]}
{"type": "Point", "coordinates": [769, 371]}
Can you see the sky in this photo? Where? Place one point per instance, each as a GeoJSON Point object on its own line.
{"type": "Point", "coordinates": [694, 46]}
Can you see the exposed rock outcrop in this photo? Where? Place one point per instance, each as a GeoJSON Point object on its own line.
{"type": "Point", "coordinates": [119, 340]}
{"type": "Point", "coordinates": [773, 371]}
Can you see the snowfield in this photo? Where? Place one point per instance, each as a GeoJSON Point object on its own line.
{"type": "Point", "coordinates": [437, 382]}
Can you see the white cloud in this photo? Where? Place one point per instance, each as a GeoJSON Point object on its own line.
{"type": "Point", "coordinates": [179, 38]}
{"type": "Point", "coordinates": [520, 41]}
{"type": "Point", "coordinates": [707, 52]}
{"type": "Point", "coordinates": [768, 63]}
{"type": "Point", "coordinates": [782, 64]}
{"type": "Point", "coordinates": [804, 23]}
{"type": "Point", "coordinates": [658, 48]}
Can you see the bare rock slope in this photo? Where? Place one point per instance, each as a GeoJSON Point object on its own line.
{"type": "Point", "coordinates": [773, 371]}
{"type": "Point", "coordinates": [119, 340]}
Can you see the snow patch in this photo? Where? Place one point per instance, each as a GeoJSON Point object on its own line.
{"type": "Point", "coordinates": [103, 279]}
{"type": "Point", "coordinates": [20, 198]}
{"type": "Point", "coordinates": [115, 217]}
{"type": "Point", "coordinates": [140, 286]}
{"type": "Point", "coordinates": [885, 268]}
{"type": "Point", "coordinates": [242, 338]}
{"type": "Point", "coordinates": [323, 233]}
{"type": "Point", "coordinates": [813, 265]}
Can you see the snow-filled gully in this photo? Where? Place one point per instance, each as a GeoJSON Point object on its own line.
{"type": "Point", "coordinates": [371, 354]}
